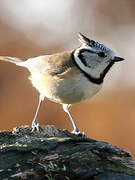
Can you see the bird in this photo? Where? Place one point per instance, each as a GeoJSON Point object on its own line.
{"type": "Point", "coordinates": [68, 77]}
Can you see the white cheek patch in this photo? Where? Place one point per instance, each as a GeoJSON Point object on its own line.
{"type": "Point", "coordinates": [88, 70]}
{"type": "Point", "coordinates": [81, 65]}
{"type": "Point", "coordinates": [95, 68]}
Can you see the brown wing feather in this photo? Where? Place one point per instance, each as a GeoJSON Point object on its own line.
{"type": "Point", "coordinates": [58, 64]}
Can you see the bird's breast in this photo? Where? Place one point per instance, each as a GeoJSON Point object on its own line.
{"type": "Point", "coordinates": [64, 90]}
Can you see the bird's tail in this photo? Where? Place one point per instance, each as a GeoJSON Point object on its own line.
{"type": "Point", "coordinates": [14, 60]}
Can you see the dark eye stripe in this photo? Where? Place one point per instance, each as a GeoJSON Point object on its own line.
{"type": "Point", "coordinates": [101, 54]}
{"type": "Point", "coordinates": [81, 57]}
{"type": "Point", "coordinates": [91, 78]}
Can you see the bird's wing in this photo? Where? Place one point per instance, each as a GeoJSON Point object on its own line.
{"type": "Point", "coordinates": [55, 65]}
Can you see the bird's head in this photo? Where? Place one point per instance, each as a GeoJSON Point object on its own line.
{"type": "Point", "coordinates": [94, 58]}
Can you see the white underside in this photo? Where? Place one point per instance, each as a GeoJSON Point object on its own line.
{"type": "Point", "coordinates": [65, 91]}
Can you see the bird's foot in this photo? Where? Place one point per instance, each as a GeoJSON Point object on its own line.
{"type": "Point", "coordinates": [78, 133]}
{"type": "Point", "coordinates": [35, 126]}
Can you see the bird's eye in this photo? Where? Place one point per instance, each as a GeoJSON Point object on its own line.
{"type": "Point", "coordinates": [101, 54]}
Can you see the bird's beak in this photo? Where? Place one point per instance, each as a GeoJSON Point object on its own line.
{"type": "Point", "coordinates": [117, 59]}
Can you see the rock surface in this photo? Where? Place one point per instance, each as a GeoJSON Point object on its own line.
{"type": "Point", "coordinates": [57, 154]}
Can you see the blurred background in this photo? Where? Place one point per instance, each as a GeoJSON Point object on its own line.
{"type": "Point", "coordinates": [33, 28]}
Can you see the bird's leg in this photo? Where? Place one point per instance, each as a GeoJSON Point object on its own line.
{"type": "Point", "coordinates": [66, 108]}
{"type": "Point", "coordinates": [35, 124]}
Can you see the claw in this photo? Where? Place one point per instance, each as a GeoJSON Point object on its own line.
{"type": "Point", "coordinates": [35, 126]}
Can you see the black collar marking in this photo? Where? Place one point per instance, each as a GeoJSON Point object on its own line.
{"type": "Point", "coordinates": [89, 77]}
